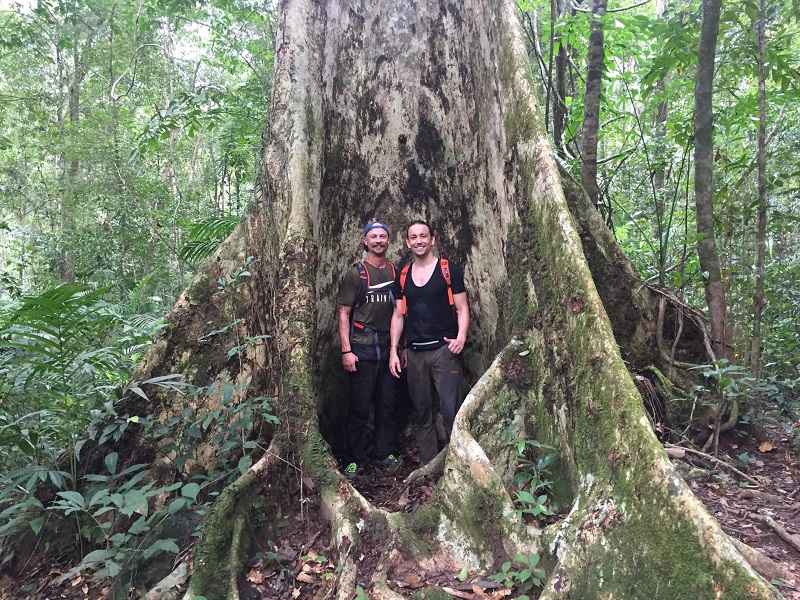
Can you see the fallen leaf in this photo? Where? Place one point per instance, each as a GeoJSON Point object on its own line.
{"type": "Point", "coordinates": [765, 447]}
{"type": "Point", "coordinates": [77, 581]}
{"type": "Point", "coordinates": [675, 452]}
{"type": "Point", "coordinates": [309, 483]}
{"type": "Point", "coordinates": [412, 580]}
{"type": "Point", "coordinates": [296, 593]}
{"type": "Point", "coordinates": [305, 578]}
{"type": "Point", "coordinates": [255, 576]}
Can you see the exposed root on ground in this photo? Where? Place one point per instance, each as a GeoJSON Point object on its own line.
{"type": "Point", "coordinates": [768, 569]}
{"type": "Point", "coordinates": [433, 468]}
{"type": "Point", "coordinates": [791, 539]}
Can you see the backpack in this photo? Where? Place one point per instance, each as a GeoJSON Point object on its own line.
{"type": "Point", "coordinates": [445, 266]}
{"type": "Point", "coordinates": [363, 277]}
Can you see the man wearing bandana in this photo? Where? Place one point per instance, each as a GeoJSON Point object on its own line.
{"type": "Point", "coordinates": [366, 303]}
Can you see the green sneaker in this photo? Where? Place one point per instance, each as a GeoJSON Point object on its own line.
{"type": "Point", "coordinates": [390, 463]}
{"type": "Point", "coordinates": [351, 471]}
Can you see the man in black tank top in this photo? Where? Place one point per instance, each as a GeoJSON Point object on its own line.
{"type": "Point", "coordinates": [365, 312]}
{"type": "Point", "coordinates": [435, 316]}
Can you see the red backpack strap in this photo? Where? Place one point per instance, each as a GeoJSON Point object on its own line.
{"type": "Point", "coordinates": [446, 274]}
{"type": "Point", "coordinates": [403, 275]}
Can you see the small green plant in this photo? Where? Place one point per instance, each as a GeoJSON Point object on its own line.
{"type": "Point", "coordinates": [524, 573]}
{"type": "Point", "coordinates": [236, 277]}
{"type": "Point", "coordinates": [118, 549]}
{"type": "Point", "coordinates": [533, 465]}
{"type": "Point", "coordinates": [361, 594]}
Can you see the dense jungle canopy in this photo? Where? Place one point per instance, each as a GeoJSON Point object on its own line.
{"type": "Point", "coordinates": [654, 302]}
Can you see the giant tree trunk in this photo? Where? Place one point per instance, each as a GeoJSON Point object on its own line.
{"type": "Point", "coordinates": [425, 109]}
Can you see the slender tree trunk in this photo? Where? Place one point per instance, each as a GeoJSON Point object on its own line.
{"type": "Point", "coordinates": [558, 87]}
{"type": "Point", "coordinates": [72, 186]}
{"type": "Point", "coordinates": [595, 66]}
{"type": "Point", "coordinates": [660, 122]}
{"type": "Point", "coordinates": [703, 180]}
{"type": "Point", "coordinates": [761, 231]}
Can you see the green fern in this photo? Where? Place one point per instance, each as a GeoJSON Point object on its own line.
{"type": "Point", "coordinates": [54, 367]}
{"type": "Point", "coordinates": [205, 236]}
{"type": "Point", "coordinates": [49, 333]}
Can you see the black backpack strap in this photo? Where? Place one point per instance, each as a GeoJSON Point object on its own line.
{"type": "Point", "coordinates": [361, 297]}
{"type": "Point", "coordinates": [363, 281]}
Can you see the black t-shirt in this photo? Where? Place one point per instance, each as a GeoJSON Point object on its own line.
{"type": "Point", "coordinates": [429, 316]}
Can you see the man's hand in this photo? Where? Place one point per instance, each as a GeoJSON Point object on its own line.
{"type": "Point", "coordinates": [396, 363]}
{"type": "Point", "coordinates": [349, 361]}
{"type": "Point", "coordinates": [456, 345]}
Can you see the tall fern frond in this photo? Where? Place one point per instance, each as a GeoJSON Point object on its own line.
{"type": "Point", "coordinates": [53, 338]}
{"type": "Point", "coordinates": [204, 237]}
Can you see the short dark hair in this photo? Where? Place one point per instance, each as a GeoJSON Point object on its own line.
{"type": "Point", "coordinates": [420, 222]}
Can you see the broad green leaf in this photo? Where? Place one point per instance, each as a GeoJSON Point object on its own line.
{"type": "Point", "coordinates": [245, 463]}
{"type": "Point", "coordinates": [72, 497]}
{"type": "Point", "coordinates": [139, 526]}
{"type": "Point", "coordinates": [36, 524]}
{"type": "Point", "coordinates": [166, 545]}
{"type": "Point", "coordinates": [111, 462]}
{"type": "Point", "coordinates": [190, 490]}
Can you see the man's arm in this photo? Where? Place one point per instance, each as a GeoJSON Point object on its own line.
{"type": "Point", "coordinates": [349, 359]}
{"type": "Point", "coordinates": [462, 308]}
{"type": "Point", "coordinates": [395, 333]}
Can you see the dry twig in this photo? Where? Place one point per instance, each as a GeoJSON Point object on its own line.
{"type": "Point", "coordinates": [791, 539]}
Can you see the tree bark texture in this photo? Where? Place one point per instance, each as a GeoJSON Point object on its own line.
{"type": "Point", "coordinates": [425, 109]}
{"type": "Point", "coordinates": [703, 179]}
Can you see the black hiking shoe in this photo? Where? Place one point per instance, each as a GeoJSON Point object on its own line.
{"type": "Point", "coordinates": [351, 471]}
{"type": "Point", "coordinates": [390, 463]}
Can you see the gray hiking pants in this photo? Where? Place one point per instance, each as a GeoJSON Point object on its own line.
{"type": "Point", "coordinates": [444, 368]}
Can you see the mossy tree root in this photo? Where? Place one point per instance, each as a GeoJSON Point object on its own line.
{"type": "Point", "coordinates": [223, 545]}
{"type": "Point", "coordinates": [477, 507]}
{"type": "Point", "coordinates": [341, 515]}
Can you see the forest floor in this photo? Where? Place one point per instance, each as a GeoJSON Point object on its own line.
{"type": "Point", "coordinates": [754, 492]}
